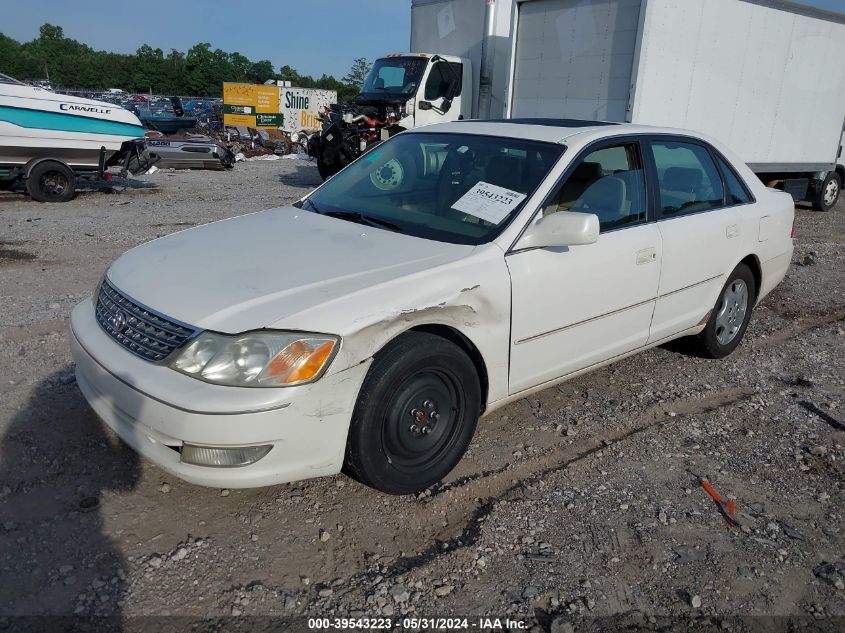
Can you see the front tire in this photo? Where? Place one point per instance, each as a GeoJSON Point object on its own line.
{"type": "Point", "coordinates": [827, 194]}
{"type": "Point", "coordinates": [51, 181]}
{"type": "Point", "coordinates": [327, 170]}
{"type": "Point", "coordinates": [415, 416]}
{"type": "Point", "coordinates": [730, 316]}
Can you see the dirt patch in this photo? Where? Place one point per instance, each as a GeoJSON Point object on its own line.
{"type": "Point", "coordinates": [10, 254]}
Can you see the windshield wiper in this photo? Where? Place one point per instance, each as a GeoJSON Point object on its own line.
{"type": "Point", "coordinates": [302, 203]}
{"type": "Point", "coordinates": [360, 218]}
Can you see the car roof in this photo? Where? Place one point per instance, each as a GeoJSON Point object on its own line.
{"type": "Point", "coordinates": [548, 130]}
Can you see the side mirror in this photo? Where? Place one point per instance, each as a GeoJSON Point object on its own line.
{"type": "Point", "coordinates": [447, 104]}
{"type": "Point", "coordinates": [424, 105]}
{"type": "Point", "coordinates": [564, 228]}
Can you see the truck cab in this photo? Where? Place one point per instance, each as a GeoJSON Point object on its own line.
{"type": "Point", "coordinates": [420, 88]}
{"type": "Point", "coordinates": [402, 91]}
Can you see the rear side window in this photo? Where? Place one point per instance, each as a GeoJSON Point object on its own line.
{"type": "Point", "coordinates": [737, 191]}
{"type": "Point", "coordinates": [609, 183]}
{"type": "Point", "coordinates": [687, 177]}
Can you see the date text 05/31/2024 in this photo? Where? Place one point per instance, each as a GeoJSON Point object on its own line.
{"type": "Point", "coordinates": [417, 624]}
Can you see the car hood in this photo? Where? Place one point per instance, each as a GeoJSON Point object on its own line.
{"type": "Point", "coordinates": [251, 271]}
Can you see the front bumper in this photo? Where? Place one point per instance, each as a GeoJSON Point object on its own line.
{"type": "Point", "coordinates": [155, 410]}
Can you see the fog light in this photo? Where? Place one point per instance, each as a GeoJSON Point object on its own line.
{"type": "Point", "coordinates": [223, 457]}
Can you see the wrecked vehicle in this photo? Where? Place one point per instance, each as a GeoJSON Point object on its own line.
{"type": "Point", "coordinates": [189, 151]}
{"type": "Point", "coordinates": [387, 104]}
{"type": "Point", "coordinates": [171, 120]}
{"type": "Point", "coordinates": [449, 271]}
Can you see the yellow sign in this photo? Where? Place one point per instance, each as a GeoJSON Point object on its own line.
{"type": "Point", "coordinates": [243, 102]}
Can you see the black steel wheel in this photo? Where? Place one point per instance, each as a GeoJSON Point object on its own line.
{"type": "Point", "coordinates": [51, 181]}
{"type": "Point", "coordinates": [415, 416]}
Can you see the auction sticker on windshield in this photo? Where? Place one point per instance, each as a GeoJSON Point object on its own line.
{"type": "Point", "coordinates": [489, 202]}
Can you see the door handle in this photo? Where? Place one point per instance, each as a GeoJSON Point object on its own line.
{"type": "Point", "coordinates": [646, 256]}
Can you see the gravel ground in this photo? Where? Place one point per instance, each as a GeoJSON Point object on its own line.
{"type": "Point", "coordinates": [573, 508]}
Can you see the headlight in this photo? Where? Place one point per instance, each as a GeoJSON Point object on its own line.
{"type": "Point", "coordinates": [294, 137]}
{"type": "Point", "coordinates": [257, 359]}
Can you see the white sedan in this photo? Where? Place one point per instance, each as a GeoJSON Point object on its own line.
{"type": "Point", "coordinates": [447, 272]}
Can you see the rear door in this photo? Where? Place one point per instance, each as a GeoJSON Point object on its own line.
{"type": "Point", "coordinates": [574, 58]}
{"type": "Point", "coordinates": [700, 230]}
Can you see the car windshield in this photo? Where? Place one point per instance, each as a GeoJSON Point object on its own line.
{"type": "Point", "coordinates": [458, 188]}
{"type": "Point", "coordinates": [394, 76]}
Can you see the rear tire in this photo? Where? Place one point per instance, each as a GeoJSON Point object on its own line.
{"type": "Point", "coordinates": [730, 316]}
{"type": "Point", "coordinates": [827, 194]}
{"type": "Point", "coordinates": [415, 415]}
{"type": "Point", "coordinates": [51, 181]}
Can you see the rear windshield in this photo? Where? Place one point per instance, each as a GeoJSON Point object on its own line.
{"type": "Point", "coordinates": [458, 188]}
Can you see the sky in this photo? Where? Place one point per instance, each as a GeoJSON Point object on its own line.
{"type": "Point", "coordinates": [312, 36]}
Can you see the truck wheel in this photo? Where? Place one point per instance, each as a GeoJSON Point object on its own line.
{"type": "Point", "coordinates": [327, 170]}
{"type": "Point", "coordinates": [730, 316]}
{"type": "Point", "coordinates": [828, 193]}
{"type": "Point", "coordinates": [415, 416]}
{"type": "Point", "coordinates": [51, 181]}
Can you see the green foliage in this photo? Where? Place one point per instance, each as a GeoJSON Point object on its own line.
{"type": "Point", "coordinates": [199, 72]}
{"type": "Point", "coordinates": [358, 73]}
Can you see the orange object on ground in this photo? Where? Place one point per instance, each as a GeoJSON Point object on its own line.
{"type": "Point", "coordinates": [726, 508]}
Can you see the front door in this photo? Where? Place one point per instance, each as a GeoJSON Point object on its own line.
{"type": "Point", "coordinates": [576, 306]}
{"type": "Point", "coordinates": [444, 80]}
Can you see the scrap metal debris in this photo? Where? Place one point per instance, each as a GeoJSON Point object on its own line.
{"type": "Point", "coordinates": [809, 406]}
{"type": "Point", "coordinates": [831, 573]}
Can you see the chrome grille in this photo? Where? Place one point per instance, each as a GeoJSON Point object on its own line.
{"type": "Point", "coordinates": [151, 336]}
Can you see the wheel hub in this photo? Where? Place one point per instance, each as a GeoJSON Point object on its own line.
{"type": "Point", "coordinates": [731, 314]}
{"type": "Point", "coordinates": [388, 176]}
{"type": "Point", "coordinates": [424, 418]}
{"type": "Point", "coordinates": [831, 192]}
{"type": "Point", "coordinates": [53, 183]}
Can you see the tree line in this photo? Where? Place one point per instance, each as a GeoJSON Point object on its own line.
{"type": "Point", "coordinates": [199, 72]}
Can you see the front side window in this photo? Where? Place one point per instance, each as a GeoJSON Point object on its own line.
{"type": "Point", "coordinates": [441, 79]}
{"type": "Point", "coordinates": [458, 188]}
{"type": "Point", "coordinates": [737, 192]}
{"type": "Point", "coordinates": [687, 177]}
{"type": "Point", "coordinates": [608, 182]}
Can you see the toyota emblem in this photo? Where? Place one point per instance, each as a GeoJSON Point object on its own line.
{"type": "Point", "coordinates": [118, 322]}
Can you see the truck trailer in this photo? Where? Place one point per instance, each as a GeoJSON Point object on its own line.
{"type": "Point", "coordinates": [763, 76]}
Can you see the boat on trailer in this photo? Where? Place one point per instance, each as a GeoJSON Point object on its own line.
{"type": "Point", "coordinates": [49, 139]}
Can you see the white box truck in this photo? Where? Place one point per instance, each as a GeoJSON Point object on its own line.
{"type": "Point", "coordinates": [763, 76]}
